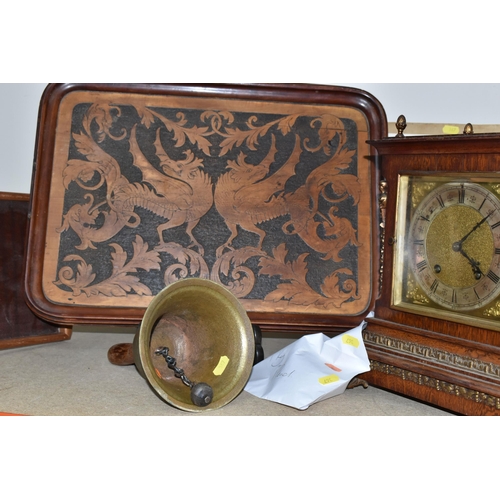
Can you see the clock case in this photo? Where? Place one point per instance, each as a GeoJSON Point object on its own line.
{"type": "Point", "coordinates": [100, 195]}
{"type": "Point", "coordinates": [448, 364]}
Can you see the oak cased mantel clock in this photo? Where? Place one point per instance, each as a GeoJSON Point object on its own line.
{"type": "Point", "coordinates": [436, 331]}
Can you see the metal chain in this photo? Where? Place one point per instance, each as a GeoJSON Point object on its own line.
{"type": "Point", "coordinates": [171, 363]}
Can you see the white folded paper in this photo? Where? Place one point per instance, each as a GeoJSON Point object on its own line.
{"type": "Point", "coordinates": [311, 369]}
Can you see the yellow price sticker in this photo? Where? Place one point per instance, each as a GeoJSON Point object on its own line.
{"type": "Point", "coordinates": [329, 379]}
{"type": "Point", "coordinates": [350, 340]}
{"type": "Point", "coordinates": [221, 366]}
{"type": "Point", "coordinates": [451, 129]}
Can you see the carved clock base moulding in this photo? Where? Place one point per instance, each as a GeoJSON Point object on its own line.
{"type": "Point", "coordinates": [462, 379]}
{"type": "Point", "coordinates": [266, 189]}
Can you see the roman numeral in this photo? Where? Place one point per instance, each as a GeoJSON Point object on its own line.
{"type": "Point", "coordinates": [434, 286]}
{"type": "Point", "coordinates": [494, 226]}
{"type": "Point", "coordinates": [454, 297]}
{"type": "Point", "coordinates": [421, 242]}
{"type": "Point", "coordinates": [440, 200]}
{"type": "Point", "coordinates": [493, 277]}
{"type": "Point", "coordinates": [461, 194]}
{"type": "Point", "coordinates": [422, 265]}
{"type": "Point", "coordinates": [497, 251]}
{"type": "Point", "coordinates": [423, 217]}
{"type": "Point", "coordinates": [482, 204]}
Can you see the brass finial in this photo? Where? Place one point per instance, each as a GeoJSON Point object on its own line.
{"type": "Point", "coordinates": [401, 125]}
{"type": "Point", "coordinates": [468, 130]}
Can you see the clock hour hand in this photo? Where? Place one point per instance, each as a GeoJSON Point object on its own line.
{"type": "Point", "coordinates": [475, 265]}
{"type": "Point", "coordinates": [472, 230]}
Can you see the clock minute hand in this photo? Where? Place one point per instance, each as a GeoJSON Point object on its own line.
{"type": "Point", "coordinates": [473, 229]}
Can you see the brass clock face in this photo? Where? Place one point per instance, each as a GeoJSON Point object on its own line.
{"type": "Point", "coordinates": [447, 255]}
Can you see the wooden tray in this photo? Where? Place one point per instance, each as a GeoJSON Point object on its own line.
{"type": "Point", "coordinates": [18, 325]}
{"type": "Point", "coordinates": [267, 189]}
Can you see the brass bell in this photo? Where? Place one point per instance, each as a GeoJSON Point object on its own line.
{"type": "Point", "coordinates": [194, 333]}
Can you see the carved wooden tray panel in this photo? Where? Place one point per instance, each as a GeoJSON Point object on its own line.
{"type": "Point", "coordinates": [267, 190]}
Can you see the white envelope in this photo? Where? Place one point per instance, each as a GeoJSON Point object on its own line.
{"type": "Point", "coordinates": [311, 369]}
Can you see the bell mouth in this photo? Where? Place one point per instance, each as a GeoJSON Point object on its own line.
{"type": "Point", "coordinates": [207, 331]}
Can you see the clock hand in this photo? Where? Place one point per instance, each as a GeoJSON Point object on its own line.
{"type": "Point", "coordinates": [475, 265]}
{"type": "Point", "coordinates": [471, 231]}
{"type": "Point", "coordinates": [457, 247]}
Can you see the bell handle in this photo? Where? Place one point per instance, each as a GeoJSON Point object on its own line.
{"type": "Point", "coordinates": [121, 354]}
